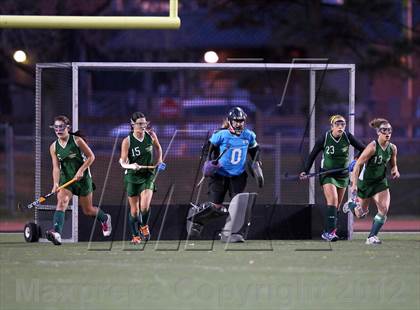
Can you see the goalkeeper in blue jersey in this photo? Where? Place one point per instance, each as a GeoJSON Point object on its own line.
{"type": "Point", "coordinates": [234, 142]}
{"type": "Point", "coordinates": [227, 151]}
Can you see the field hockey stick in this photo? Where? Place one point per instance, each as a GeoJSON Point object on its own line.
{"type": "Point", "coordinates": [159, 167]}
{"type": "Point", "coordinates": [146, 167]}
{"type": "Point", "coordinates": [135, 166]}
{"type": "Point", "coordinates": [43, 198]}
{"type": "Point", "coordinates": [216, 160]}
{"type": "Point", "coordinates": [314, 174]}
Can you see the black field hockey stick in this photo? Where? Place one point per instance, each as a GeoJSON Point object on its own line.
{"type": "Point", "coordinates": [202, 157]}
{"type": "Point", "coordinates": [216, 160]}
{"type": "Point", "coordinates": [314, 174]}
{"type": "Point", "coordinates": [45, 197]}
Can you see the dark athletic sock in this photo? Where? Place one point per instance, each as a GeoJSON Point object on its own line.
{"type": "Point", "coordinates": [144, 217]}
{"type": "Point", "coordinates": [330, 218]}
{"type": "Point", "coordinates": [378, 221]}
{"type": "Point", "coordinates": [58, 221]}
{"type": "Point", "coordinates": [133, 225]}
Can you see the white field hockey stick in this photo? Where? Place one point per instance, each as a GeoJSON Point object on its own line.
{"type": "Point", "coordinates": [135, 166]}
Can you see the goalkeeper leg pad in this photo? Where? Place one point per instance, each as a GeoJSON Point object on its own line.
{"type": "Point", "coordinates": [239, 219]}
{"type": "Point", "coordinates": [198, 216]}
{"type": "Point", "coordinates": [194, 229]}
{"type": "Point", "coordinates": [205, 212]}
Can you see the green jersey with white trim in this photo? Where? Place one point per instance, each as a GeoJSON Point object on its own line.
{"type": "Point", "coordinates": [375, 169]}
{"type": "Point", "coordinates": [141, 153]}
{"type": "Point", "coordinates": [336, 151]}
{"type": "Point", "coordinates": [71, 158]}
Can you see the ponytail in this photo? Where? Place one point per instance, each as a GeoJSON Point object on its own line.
{"type": "Point", "coordinates": [225, 124]}
{"type": "Point", "coordinates": [79, 134]}
{"type": "Point", "coordinates": [377, 122]}
{"type": "Point", "coordinates": [66, 121]}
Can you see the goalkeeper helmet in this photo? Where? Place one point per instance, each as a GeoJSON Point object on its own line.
{"type": "Point", "coordinates": [236, 118]}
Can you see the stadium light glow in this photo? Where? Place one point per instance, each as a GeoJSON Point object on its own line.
{"type": "Point", "coordinates": [19, 56]}
{"type": "Point", "coordinates": [211, 57]}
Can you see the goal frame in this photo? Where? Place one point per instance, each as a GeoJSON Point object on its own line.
{"type": "Point", "coordinates": [172, 21]}
{"type": "Point", "coordinates": [312, 68]}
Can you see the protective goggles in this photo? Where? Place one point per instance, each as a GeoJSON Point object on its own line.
{"type": "Point", "coordinates": [385, 130]}
{"type": "Point", "coordinates": [142, 125]}
{"type": "Point", "coordinates": [340, 123]}
{"type": "Point", "coordinates": [59, 128]}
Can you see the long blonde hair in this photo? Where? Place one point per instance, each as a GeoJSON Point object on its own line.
{"type": "Point", "coordinates": [225, 124]}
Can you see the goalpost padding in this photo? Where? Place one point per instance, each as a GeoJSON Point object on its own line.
{"type": "Point", "coordinates": [66, 101]}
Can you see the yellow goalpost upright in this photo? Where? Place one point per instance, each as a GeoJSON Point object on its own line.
{"type": "Point", "coordinates": [94, 22]}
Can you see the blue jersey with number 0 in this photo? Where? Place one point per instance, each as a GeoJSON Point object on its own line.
{"type": "Point", "coordinates": [233, 161]}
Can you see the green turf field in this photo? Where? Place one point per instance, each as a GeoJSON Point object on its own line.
{"type": "Point", "coordinates": [255, 275]}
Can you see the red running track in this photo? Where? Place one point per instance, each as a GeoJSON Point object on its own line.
{"type": "Point", "coordinates": [412, 225]}
{"type": "Point", "coordinates": [391, 225]}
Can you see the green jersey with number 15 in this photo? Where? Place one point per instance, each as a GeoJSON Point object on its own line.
{"type": "Point", "coordinates": [140, 152]}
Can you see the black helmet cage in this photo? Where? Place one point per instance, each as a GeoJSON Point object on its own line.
{"type": "Point", "coordinates": [237, 114]}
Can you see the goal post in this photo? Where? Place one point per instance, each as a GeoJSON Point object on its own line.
{"type": "Point", "coordinates": [172, 21]}
{"type": "Point", "coordinates": [72, 78]}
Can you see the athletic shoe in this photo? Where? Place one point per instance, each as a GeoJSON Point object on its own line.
{"type": "Point", "coordinates": [135, 240]}
{"type": "Point", "coordinates": [373, 240]}
{"type": "Point", "coordinates": [144, 232]}
{"type": "Point", "coordinates": [350, 206]}
{"type": "Point", "coordinates": [325, 236]}
{"type": "Point", "coordinates": [332, 236]}
{"type": "Point", "coordinates": [53, 236]}
{"type": "Point", "coordinates": [107, 227]}
{"type": "Point", "coordinates": [360, 213]}
{"type": "Point", "coordinates": [233, 238]}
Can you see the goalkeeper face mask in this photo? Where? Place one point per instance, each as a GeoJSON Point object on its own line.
{"type": "Point", "coordinates": [237, 126]}
{"type": "Point", "coordinates": [236, 118]}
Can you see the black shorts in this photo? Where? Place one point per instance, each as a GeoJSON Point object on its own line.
{"type": "Point", "coordinates": [220, 185]}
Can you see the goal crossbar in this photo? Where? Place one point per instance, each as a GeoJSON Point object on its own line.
{"type": "Point", "coordinates": [201, 66]}
{"type": "Point", "coordinates": [312, 69]}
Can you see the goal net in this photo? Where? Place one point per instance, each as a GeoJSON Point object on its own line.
{"type": "Point", "coordinates": [288, 105]}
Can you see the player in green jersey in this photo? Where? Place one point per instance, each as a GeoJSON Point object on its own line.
{"type": "Point", "coordinates": [140, 173]}
{"type": "Point", "coordinates": [334, 145]}
{"type": "Point", "coordinates": [71, 159]}
{"type": "Point", "coordinates": [369, 176]}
